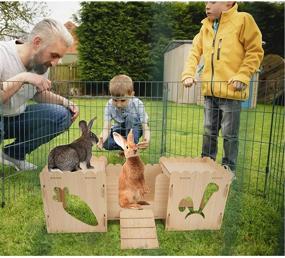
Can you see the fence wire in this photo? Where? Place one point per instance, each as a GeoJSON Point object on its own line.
{"type": "Point", "coordinates": [176, 121]}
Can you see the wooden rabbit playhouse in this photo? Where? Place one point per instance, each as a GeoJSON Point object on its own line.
{"type": "Point", "coordinates": [177, 195]}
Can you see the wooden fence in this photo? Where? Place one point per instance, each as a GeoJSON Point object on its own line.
{"type": "Point", "coordinates": [64, 77]}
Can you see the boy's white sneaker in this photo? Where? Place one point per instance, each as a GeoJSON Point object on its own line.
{"type": "Point", "coordinates": [18, 164]}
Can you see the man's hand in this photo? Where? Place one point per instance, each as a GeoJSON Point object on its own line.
{"type": "Point", "coordinates": [237, 85]}
{"type": "Point", "coordinates": [72, 107]}
{"type": "Point", "coordinates": [189, 82]}
{"type": "Point", "coordinates": [74, 110]}
{"type": "Point", "coordinates": [38, 81]}
{"type": "Point", "coordinates": [14, 84]}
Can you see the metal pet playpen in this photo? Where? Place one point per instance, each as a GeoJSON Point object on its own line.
{"type": "Point", "coordinates": [176, 130]}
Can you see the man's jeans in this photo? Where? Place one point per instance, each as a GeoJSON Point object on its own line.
{"type": "Point", "coordinates": [37, 125]}
{"type": "Point", "coordinates": [123, 129]}
{"type": "Point", "coordinates": [221, 114]}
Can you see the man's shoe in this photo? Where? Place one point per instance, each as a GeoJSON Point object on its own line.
{"type": "Point", "coordinates": [19, 164]}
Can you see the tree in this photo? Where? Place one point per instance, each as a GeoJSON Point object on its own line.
{"type": "Point", "coordinates": [114, 38]}
{"type": "Point", "coordinates": [172, 21]}
{"type": "Point", "coordinates": [162, 26]}
{"type": "Point", "coordinates": [16, 17]}
{"type": "Point", "coordinates": [131, 37]}
{"type": "Point", "coordinates": [269, 16]}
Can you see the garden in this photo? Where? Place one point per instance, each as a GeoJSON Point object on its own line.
{"type": "Point", "coordinates": [252, 225]}
{"type": "Point", "coordinates": [133, 38]}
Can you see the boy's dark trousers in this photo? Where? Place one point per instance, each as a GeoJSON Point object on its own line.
{"type": "Point", "coordinates": [221, 114]}
{"type": "Point", "coordinates": [123, 129]}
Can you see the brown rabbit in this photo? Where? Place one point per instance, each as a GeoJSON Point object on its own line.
{"type": "Point", "coordinates": [131, 181]}
{"type": "Point", "coordinates": [68, 157]}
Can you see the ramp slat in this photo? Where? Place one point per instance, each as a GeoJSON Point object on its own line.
{"type": "Point", "coordinates": [138, 229]}
{"type": "Point", "coordinates": [139, 244]}
{"type": "Point", "coordinates": [136, 223]}
{"type": "Point", "coordinates": [140, 233]}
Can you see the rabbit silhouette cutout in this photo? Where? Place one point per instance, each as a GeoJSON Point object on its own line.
{"type": "Point", "coordinates": [187, 203]}
{"type": "Point", "coordinates": [74, 206]}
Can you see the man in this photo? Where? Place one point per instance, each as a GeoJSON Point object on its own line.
{"type": "Point", "coordinates": [23, 76]}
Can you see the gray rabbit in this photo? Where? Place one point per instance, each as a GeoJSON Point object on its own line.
{"type": "Point", "coordinates": [68, 157]}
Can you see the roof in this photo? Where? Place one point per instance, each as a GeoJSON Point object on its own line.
{"type": "Point", "coordinates": [71, 27]}
{"type": "Point", "coordinates": [176, 43]}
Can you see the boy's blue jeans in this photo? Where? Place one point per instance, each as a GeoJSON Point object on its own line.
{"type": "Point", "coordinates": [221, 114]}
{"type": "Point", "coordinates": [123, 129]}
{"type": "Point", "coordinates": [37, 125]}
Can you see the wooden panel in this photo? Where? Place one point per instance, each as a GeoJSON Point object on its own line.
{"type": "Point", "coordinates": [89, 185]}
{"type": "Point", "coordinates": [153, 181]}
{"type": "Point", "coordinates": [150, 174]}
{"type": "Point", "coordinates": [138, 233]}
{"type": "Point", "coordinates": [180, 164]}
{"type": "Point", "coordinates": [127, 223]}
{"type": "Point", "coordinates": [137, 229]}
{"type": "Point", "coordinates": [129, 213]}
{"type": "Point", "coordinates": [189, 179]}
{"type": "Point", "coordinates": [112, 176]}
{"type": "Point", "coordinates": [161, 196]}
{"type": "Point", "coordinates": [139, 244]}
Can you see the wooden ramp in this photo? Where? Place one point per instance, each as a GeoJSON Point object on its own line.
{"type": "Point", "coordinates": [138, 229]}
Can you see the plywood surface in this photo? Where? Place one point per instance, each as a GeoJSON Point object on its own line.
{"type": "Point", "coordinates": [177, 188]}
{"type": "Point", "coordinates": [190, 181]}
{"type": "Point", "coordinates": [88, 185]}
{"type": "Point", "coordinates": [153, 179]}
{"type": "Point", "coordinates": [188, 164]}
{"type": "Point", "coordinates": [137, 229]}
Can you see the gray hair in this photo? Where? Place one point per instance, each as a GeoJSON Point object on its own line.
{"type": "Point", "coordinates": [48, 29]}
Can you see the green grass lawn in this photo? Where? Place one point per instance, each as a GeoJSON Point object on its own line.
{"type": "Point", "coordinates": [252, 225]}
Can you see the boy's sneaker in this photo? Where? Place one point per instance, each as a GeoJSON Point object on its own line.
{"type": "Point", "coordinates": [18, 164]}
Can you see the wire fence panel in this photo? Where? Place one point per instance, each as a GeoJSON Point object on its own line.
{"type": "Point", "coordinates": [176, 121]}
{"type": "Point", "coordinates": [274, 180]}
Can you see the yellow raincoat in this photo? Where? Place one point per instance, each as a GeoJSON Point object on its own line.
{"type": "Point", "coordinates": [233, 53]}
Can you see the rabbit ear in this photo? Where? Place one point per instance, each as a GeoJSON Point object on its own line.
{"type": "Point", "coordinates": [120, 140]}
{"type": "Point", "coordinates": [83, 126]}
{"type": "Point", "coordinates": [130, 138]}
{"type": "Point", "coordinates": [90, 124]}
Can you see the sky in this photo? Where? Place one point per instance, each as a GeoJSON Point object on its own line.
{"type": "Point", "coordinates": [62, 10]}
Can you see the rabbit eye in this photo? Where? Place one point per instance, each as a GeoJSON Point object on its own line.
{"type": "Point", "coordinates": [127, 147]}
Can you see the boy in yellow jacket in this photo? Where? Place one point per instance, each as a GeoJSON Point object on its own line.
{"type": "Point", "coordinates": [231, 45]}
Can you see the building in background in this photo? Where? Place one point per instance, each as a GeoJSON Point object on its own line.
{"type": "Point", "coordinates": [66, 72]}
{"type": "Point", "coordinates": [71, 55]}
{"type": "Point", "coordinates": [175, 57]}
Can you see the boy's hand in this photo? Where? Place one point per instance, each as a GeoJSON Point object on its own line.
{"type": "Point", "coordinates": [189, 82]}
{"type": "Point", "coordinates": [143, 145]}
{"type": "Point", "coordinates": [100, 143]}
{"type": "Point", "coordinates": [238, 86]}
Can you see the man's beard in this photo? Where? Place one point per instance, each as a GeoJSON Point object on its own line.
{"type": "Point", "coordinates": [35, 66]}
